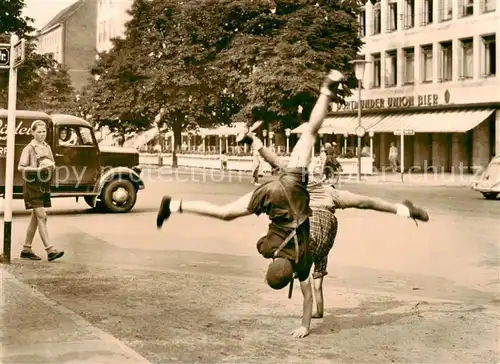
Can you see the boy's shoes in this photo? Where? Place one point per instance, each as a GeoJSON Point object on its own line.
{"type": "Point", "coordinates": [243, 137]}
{"type": "Point", "coordinates": [28, 254]}
{"type": "Point", "coordinates": [416, 213]}
{"type": "Point", "coordinates": [55, 255]}
{"type": "Point", "coordinates": [164, 211]}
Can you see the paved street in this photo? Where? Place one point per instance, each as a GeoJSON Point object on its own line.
{"type": "Point", "coordinates": [194, 292]}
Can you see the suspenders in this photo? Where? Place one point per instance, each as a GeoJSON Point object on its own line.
{"type": "Point", "coordinates": [292, 235]}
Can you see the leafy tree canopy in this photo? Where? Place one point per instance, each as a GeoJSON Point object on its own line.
{"type": "Point", "coordinates": [12, 20]}
{"type": "Point", "coordinates": [205, 62]}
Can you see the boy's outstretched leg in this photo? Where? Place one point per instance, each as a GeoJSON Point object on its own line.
{"type": "Point", "coordinates": [231, 211]}
{"type": "Point", "coordinates": [301, 155]}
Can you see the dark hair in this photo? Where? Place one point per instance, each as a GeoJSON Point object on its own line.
{"type": "Point", "coordinates": [279, 273]}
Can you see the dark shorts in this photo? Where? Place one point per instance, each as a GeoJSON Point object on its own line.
{"type": "Point", "coordinates": [324, 227]}
{"type": "Point", "coordinates": [269, 243]}
{"type": "Point", "coordinates": [271, 199]}
{"type": "Point", "coordinates": [34, 197]}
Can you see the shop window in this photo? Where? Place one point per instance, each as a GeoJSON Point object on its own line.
{"type": "Point", "coordinates": [426, 7]}
{"type": "Point", "coordinates": [409, 70]}
{"type": "Point", "coordinates": [466, 8]}
{"type": "Point", "coordinates": [489, 55]}
{"type": "Point", "coordinates": [409, 14]}
{"type": "Point", "coordinates": [445, 10]}
{"type": "Point", "coordinates": [488, 6]}
{"type": "Point", "coordinates": [392, 17]}
{"type": "Point", "coordinates": [427, 63]}
{"type": "Point", "coordinates": [377, 19]}
{"type": "Point", "coordinates": [362, 23]}
{"type": "Point", "coordinates": [466, 59]}
{"type": "Point", "coordinates": [446, 62]}
{"type": "Point", "coordinates": [391, 68]}
{"type": "Point", "coordinates": [377, 70]}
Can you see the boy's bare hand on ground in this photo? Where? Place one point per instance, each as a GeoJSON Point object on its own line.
{"type": "Point", "coordinates": [300, 332]}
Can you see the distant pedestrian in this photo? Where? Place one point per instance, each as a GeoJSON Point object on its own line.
{"type": "Point", "coordinates": [393, 157]}
{"type": "Point", "coordinates": [37, 165]}
{"type": "Point", "coordinates": [256, 167]}
{"type": "Point", "coordinates": [223, 161]}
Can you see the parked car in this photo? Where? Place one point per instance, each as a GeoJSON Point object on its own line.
{"type": "Point", "coordinates": [488, 182]}
{"type": "Point", "coordinates": [107, 178]}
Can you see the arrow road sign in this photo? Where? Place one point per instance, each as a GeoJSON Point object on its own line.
{"type": "Point", "coordinates": [405, 131]}
{"type": "Point", "coordinates": [4, 55]}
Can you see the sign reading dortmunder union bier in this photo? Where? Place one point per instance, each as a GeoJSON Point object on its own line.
{"type": "Point", "coordinates": [397, 102]}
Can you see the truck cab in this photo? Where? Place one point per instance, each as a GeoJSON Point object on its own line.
{"type": "Point", "coordinates": [108, 178]}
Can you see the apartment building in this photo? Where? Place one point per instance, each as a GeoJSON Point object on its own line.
{"type": "Point", "coordinates": [69, 36]}
{"type": "Point", "coordinates": [112, 15]}
{"type": "Point", "coordinates": [432, 71]}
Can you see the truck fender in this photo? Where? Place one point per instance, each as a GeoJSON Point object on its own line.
{"type": "Point", "coordinates": [119, 173]}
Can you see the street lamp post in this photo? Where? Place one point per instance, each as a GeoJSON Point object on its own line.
{"type": "Point", "coordinates": [359, 70]}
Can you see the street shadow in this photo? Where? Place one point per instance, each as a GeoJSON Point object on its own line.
{"type": "Point", "coordinates": [367, 315]}
{"type": "Point", "coordinates": [88, 211]}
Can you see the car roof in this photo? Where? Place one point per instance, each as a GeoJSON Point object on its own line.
{"type": "Point", "coordinates": [69, 120]}
{"type": "Point", "coordinates": [4, 113]}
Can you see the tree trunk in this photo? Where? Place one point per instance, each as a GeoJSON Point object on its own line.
{"type": "Point", "coordinates": [177, 129]}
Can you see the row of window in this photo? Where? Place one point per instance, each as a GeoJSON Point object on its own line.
{"type": "Point", "coordinates": [105, 31]}
{"type": "Point", "coordinates": [487, 58]}
{"type": "Point", "coordinates": [427, 16]}
{"type": "Point", "coordinates": [51, 38]}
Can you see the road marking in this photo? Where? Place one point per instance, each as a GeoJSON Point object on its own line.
{"type": "Point", "coordinates": [77, 319]}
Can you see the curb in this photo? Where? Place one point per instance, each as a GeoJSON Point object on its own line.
{"type": "Point", "coordinates": [345, 179]}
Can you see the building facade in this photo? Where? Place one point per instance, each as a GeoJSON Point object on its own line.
{"type": "Point", "coordinates": [69, 36]}
{"type": "Point", "coordinates": [112, 15]}
{"type": "Point", "coordinates": [432, 73]}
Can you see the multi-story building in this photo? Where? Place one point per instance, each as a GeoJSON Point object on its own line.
{"type": "Point", "coordinates": [69, 36]}
{"type": "Point", "coordinates": [432, 71]}
{"type": "Point", "coordinates": [112, 15]}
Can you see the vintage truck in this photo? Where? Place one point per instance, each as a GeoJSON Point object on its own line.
{"type": "Point", "coordinates": [108, 178]}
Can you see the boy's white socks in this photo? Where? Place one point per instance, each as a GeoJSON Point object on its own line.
{"type": "Point", "coordinates": [257, 144]}
{"type": "Point", "coordinates": [175, 205]}
{"type": "Point", "coordinates": [403, 210]}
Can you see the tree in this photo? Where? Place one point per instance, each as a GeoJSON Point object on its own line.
{"type": "Point", "coordinates": [31, 79]}
{"type": "Point", "coordinates": [58, 95]}
{"type": "Point", "coordinates": [205, 62]}
{"type": "Point", "coordinates": [158, 73]}
{"type": "Point", "coordinates": [115, 97]}
{"type": "Point", "coordinates": [41, 83]}
{"type": "Point", "coordinates": [12, 20]}
{"type": "Point", "coordinates": [281, 52]}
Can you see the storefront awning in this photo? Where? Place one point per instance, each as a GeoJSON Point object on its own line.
{"type": "Point", "coordinates": [343, 124]}
{"type": "Point", "coordinates": [222, 130]}
{"type": "Point", "coordinates": [457, 121]}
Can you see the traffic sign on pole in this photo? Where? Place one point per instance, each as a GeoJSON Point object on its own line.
{"type": "Point", "coordinates": [405, 131]}
{"type": "Point", "coordinates": [11, 135]}
{"type": "Point", "coordinates": [18, 55]}
{"type": "Point", "coordinates": [4, 56]}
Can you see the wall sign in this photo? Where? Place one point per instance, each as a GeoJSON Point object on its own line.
{"type": "Point", "coordinates": [397, 102]}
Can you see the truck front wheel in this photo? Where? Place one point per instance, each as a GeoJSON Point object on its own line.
{"type": "Point", "coordinates": [119, 196]}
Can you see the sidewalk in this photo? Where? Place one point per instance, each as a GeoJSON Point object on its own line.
{"type": "Point", "coordinates": [415, 179]}
{"type": "Point", "coordinates": [36, 329]}
{"type": "Point", "coordinates": [420, 179]}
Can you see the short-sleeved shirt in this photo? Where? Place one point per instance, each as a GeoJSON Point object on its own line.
{"type": "Point", "coordinates": [30, 157]}
{"type": "Point", "coordinates": [286, 215]}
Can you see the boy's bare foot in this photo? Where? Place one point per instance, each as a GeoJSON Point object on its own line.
{"type": "Point", "coordinates": [317, 315]}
